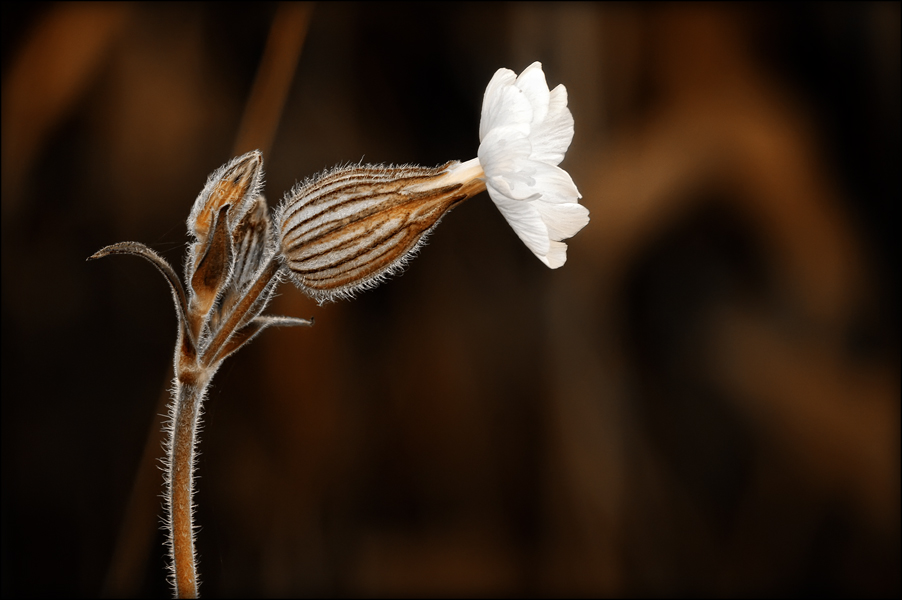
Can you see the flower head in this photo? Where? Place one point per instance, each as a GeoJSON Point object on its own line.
{"type": "Point", "coordinates": [524, 133]}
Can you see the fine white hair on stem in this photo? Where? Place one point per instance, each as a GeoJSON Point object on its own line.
{"type": "Point", "coordinates": [182, 427]}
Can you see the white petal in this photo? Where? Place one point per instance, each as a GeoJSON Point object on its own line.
{"type": "Point", "coordinates": [524, 219]}
{"type": "Point", "coordinates": [493, 102]}
{"type": "Point", "coordinates": [515, 108]}
{"type": "Point", "coordinates": [555, 183]}
{"type": "Point", "coordinates": [557, 101]}
{"type": "Point", "coordinates": [505, 150]}
{"type": "Point", "coordinates": [532, 82]}
{"type": "Point", "coordinates": [551, 138]}
{"type": "Point", "coordinates": [562, 220]}
{"type": "Point", "coordinates": [514, 186]}
{"type": "Point", "coordinates": [557, 255]}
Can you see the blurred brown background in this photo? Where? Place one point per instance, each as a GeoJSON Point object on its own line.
{"type": "Point", "coordinates": [704, 400]}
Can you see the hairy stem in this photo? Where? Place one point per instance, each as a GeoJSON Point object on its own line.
{"type": "Point", "coordinates": [184, 414]}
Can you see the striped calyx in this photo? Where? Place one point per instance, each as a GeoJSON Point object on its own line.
{"type": "Point", "coordinates": [350, 227]}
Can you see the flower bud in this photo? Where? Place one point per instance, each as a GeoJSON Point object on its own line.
{"type": "Point", "coordinates": [237, 183]}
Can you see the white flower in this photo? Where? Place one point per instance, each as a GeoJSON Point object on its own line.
{"type": "Point", "coordinates": [524, 133]}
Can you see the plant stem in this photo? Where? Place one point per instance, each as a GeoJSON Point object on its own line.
{"type": "Point", "coordinates": [193, 375]}
{"type": "Point", "coordinates": [185, 418]}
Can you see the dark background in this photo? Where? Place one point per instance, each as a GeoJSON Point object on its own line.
{"type": "Point", "coordinates": [703, 400]}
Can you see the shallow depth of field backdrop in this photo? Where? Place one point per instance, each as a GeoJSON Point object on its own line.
{"type": "Point", "coordinates": [703, 400]}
